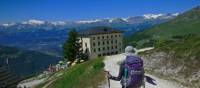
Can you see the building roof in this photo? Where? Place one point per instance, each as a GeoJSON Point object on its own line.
{"type": "Point", "coordinates": [98, 30]}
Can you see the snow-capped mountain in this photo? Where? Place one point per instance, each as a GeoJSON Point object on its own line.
{"type": "Point", "coordinates": [88, 21]}
{"type": "Point", "coordinates": [33, 22]}
{"type": "Point", "coordinates": [160, 16]}
{"type": "Point", "coordinates": [58, 23]}
{"type": "Point", "coordinates": [105, 21]}
{"type": "Point", "coordinates": [152, 16]}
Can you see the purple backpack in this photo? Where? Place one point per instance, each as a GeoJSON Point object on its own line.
{"type": "Point", "coordinates": [133, 74]}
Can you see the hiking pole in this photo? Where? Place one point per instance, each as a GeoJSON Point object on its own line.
{"type": "Point", "coordinates": [108, 79]}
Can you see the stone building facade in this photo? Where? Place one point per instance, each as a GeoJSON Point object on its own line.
{"type": "Point", "coordinates": [101, 42]}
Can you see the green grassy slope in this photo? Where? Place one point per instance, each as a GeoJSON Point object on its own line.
{"type": "Point", "coordinates": [186, 23]}
{"type": "Point", "coordinates": [84, 75]}
{"type": "Point", "coordinates": [188, 46]}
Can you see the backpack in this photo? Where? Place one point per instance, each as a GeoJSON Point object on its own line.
{"type": "Point", "coordinates": [133, 74]}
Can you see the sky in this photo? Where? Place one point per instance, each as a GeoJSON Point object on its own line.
{"type": "Point", "coordinates": [72, 10]}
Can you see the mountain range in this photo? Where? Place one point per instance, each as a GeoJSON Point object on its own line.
{"type": "Point", "coordinates": [48, 37]}
{"type": "Point", "coordinates": [152, 18]}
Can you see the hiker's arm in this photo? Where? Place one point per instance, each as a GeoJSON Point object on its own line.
{"type": "Point", "coordinates": [118, 78]}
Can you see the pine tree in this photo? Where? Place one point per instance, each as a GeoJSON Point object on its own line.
{"type": "Point", "coordinates": [70, 50]}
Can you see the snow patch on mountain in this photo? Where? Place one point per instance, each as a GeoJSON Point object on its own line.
{"type": "Point", "coordinates": [111, 20]}
{"type": "Point", "coordinates": [8, 24]}
{"type": "Point", "coordinates": [152, 16]}
{"type": "Point", "coordinates": [175, 14]}
{"type": "Point", "coordinates": [34, 22]}
{"type": "Point", "coordinates": [58, 23]}
{"type": "Point", "coordinates": [125, 19]}
{"type": "Point", "coordinates": [88, 21]}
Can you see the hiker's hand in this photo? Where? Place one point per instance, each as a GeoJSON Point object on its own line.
{"type": "Point", "coordinates": [109, 75]}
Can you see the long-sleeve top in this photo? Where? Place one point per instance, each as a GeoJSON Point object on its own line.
{"type": "Point", "coordinates": [120, 74]}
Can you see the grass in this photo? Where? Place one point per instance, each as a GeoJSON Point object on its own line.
{"type": "Point", "coordinates": [186, 47]}
{"type": "Point", "coordinates": [84, 75]}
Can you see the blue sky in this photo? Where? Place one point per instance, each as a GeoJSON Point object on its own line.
{"type": "Point", "coordinates": [69, 10]}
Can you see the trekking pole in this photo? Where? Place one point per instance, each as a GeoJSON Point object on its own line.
{"type": "Point", "coordinates": [108, 79]}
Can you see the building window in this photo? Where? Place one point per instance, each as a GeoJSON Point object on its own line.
{"type": "Point", "coordinates": [103, 48]}
{"type": "Point", "coordinates": [94, 50]}
{"type": "Point", "coordinates": [107, 36]}
{"type": "Point", "coordinates": [116, 41]}
{"type": "Point", "coordinates": [111, 47]}
{"type": "Point", "coordinates": [111, 41]}
{"type": "Point", "coordinates": [94, 44]}
{"type": "Point", "coordinates": [115, 35]}
{"type": "Point", "coordinates": [102, 37]}
{"type": "Point", "coordinates": [116, 47]}
{"type": "Point", "coordinates": [107, 42]}
{"type": "Point", "coordinates": [93, 38]}
{"type": "Point", "coordinates": [111, 36]}
{"type": "Point", "coordinates": [98, 37]}
{"type": "Point", "coordinates": [120, 43]}
{"type": "Point", "coordinates": [85, 44]}
{"type": "Point", "coordinates": [108, 48]}
{"type": "Point", "coordinates": [119, 35]}
{"type": "Point", "coordinates": [103, 42]}
{"type": "Point", "coordinates": [98, 43]}
{"type": "Point", "coordinates": [99, 49]}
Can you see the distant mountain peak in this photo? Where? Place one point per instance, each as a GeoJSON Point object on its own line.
{"type": "Point", "coordinates": [8, 24]}
{"type": "Point", "coordinates": [175, 14]}
{"type": "Point", "coordinates": [88, 21]}
{"type": "Point", "coordinates": [152, 16]}
{"type": "Point", "coordinates": [34, 22]}
{"type": "Point", "coordinates": [58, 23]}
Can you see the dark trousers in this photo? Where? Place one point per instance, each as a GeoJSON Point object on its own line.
{"type": "Point", "coordinates": [124, 87]}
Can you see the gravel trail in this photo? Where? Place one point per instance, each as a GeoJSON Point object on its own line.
{"type": "Point", "coordinates": [112, 66]}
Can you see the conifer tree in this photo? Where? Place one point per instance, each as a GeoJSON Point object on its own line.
{"type": "Point", "coordinates": [70, 50]}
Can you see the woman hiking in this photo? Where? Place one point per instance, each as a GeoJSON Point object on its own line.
{"type": "Point", "coordinates": [131, 72]}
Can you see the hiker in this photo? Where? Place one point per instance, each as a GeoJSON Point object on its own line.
{"type": "Point", "coordinates": [131, 72]}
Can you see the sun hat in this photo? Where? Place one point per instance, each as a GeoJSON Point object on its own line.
{"type": "Point", "coordinates": [130, 50]}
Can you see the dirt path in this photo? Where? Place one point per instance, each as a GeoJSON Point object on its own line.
{"type": "Point", "coordinates": [111, 65]}
{"type": "Point", "coordinates": [31, 84]}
